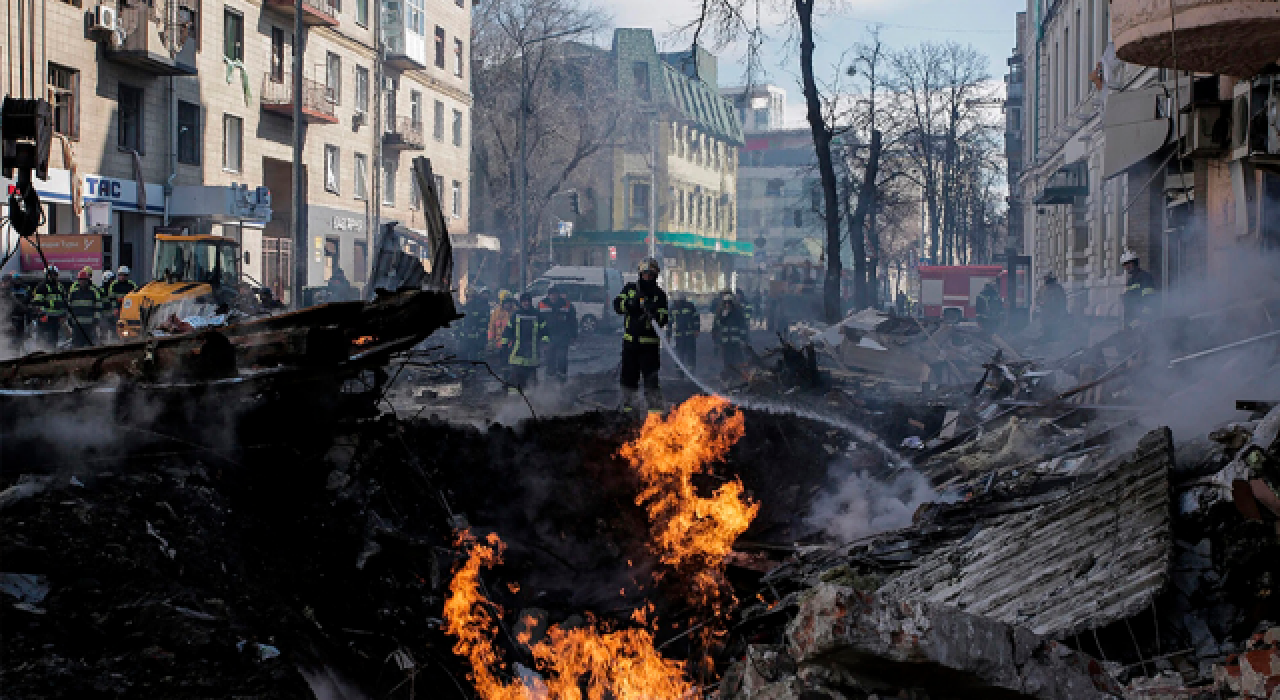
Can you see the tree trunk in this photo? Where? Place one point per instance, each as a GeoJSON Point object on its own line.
{"type": "Point", "coordinates": [822, 146]}
{"type": "Point", "coordinates": [857, 228]}
{"type": "Point", "coordinates": [856, 245]}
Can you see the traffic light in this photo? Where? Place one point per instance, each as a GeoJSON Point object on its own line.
{"type": "Point", "coordinates": [573, 203]}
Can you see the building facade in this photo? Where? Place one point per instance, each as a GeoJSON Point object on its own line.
{"type": "Point", "coordinates": [1086, 158]}
{"type": "Point", "coordinates": [189, 103]}
{"type": "Point", "coordinates": [675, 172]}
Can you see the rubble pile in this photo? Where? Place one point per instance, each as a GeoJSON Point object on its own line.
{"type": "Point", "coordinates": [313, 562]}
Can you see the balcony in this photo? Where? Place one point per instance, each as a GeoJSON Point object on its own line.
{"type": "Point", "coordinates": [317, 107]}
{"type": "Point", "coordinates": [315, 13]}
{"type": "Point", "coordinates": [404, 134]}
{"type": "Point", "coordinates": [1065, 185]}
{"type": "Point", "coordinates": [154, 47]}
{"type": "Point", "coordinates": [1231, 37]}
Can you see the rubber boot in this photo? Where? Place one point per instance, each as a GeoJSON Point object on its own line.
{"type": "Point", "coordinates": [653, 400]}
{"type": "Point", "coordinates": [628, 401]}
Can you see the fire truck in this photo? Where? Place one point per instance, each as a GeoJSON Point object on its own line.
{"type": "Point", "coordinates": [950, 292]}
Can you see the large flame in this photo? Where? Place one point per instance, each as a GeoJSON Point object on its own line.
{"type": "Point", "coordinates": [591, 663]}
{"type": "Point", "coordinates": [691, 534]}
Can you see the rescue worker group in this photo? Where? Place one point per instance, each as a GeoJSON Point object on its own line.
{"type": "Point", "coordinates": [522, 337]}
{"type": "Point", "coordinates": [39, 315]}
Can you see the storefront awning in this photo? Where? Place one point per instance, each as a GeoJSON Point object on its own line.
{"type": "Point", "coordinates": [221, 203]}
{"type": "Point", "coordinates": [475, 241]}
{"type": "Point", "coordinates": [687, 241]}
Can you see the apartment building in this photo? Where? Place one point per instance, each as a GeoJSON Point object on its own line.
{"type": "Point", "coordinates": [678, 175]}
{"type": "Point", "coordinates": [1090, 132]}
{"type": "Point", "coordinates": [178, 114]}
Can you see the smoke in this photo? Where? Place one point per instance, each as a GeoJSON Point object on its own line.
{"type": "Point", "coordinates": [862, 505]}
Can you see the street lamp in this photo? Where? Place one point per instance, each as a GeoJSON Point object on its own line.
{"type": "Point", "coordinates": [524, 112]}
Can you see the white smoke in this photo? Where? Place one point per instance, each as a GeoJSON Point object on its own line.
{"type": "Point", "coordinates": [862, 505]}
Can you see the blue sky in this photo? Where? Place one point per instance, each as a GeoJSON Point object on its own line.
{"type": "Point", "coordinates": [986, 24]}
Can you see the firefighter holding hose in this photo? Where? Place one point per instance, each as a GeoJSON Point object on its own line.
{"type": "Point", "coordinates": [643, 305]}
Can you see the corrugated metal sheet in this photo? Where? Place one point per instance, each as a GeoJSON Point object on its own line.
{"type": "Point", "coordinates": [1098, 555]}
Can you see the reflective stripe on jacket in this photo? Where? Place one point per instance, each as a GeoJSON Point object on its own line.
{"type": "Point", "coordinates": [85, 301]}
{"type": "Point", "coordinates": [48, 299]}
{"type": "Point", "coordinates": [522, 338]}
{"type": "Point", "coordinates": [637, 325]}
{"type": "Point", "coordinates": [685, 320]}
{"type": "Point", "coordinates": [730, 329]}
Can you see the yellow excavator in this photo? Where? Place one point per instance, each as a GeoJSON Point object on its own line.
{"type": "Point", "coordinates": [190, 274]}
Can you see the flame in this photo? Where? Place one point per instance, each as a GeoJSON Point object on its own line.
{"type": "Point", "coordinates": [594, 660]}
{"type": "Point", "coordinates": [691, 534]}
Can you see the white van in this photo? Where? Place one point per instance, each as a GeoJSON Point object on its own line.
{"type": "Point", "coordinates": [591, 289]}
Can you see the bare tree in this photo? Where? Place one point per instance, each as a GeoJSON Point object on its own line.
{"type": "Point", "coordinates": [568, 118]}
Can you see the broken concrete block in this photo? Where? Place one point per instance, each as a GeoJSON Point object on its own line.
{"type": "Point", "coordinates": [939, 649]}
{"type": "Point", "coordinates": [1259, 672]}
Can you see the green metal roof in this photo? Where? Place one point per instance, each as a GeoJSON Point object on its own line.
{"type": "Point", "coordinates": [703, 104]}
{"type": "Point", "coordinates": [675, 239]}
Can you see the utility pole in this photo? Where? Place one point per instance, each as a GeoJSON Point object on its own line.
{"type": "Point", "coordinates": [375, 174]}
{"type": "Point", "coordinates": [301, 254]}
{"type": "Point", "coordinates": [653, 190]}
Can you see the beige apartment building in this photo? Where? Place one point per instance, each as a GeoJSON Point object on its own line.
{"type": "Point", "coordinates": [178, 115]}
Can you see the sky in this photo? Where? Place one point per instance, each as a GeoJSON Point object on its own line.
{"type": "Point", "coordinates": [986, 24]}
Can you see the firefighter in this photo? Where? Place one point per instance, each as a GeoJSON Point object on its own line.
{"type": "Point", "coordinates": [1053, 307]}
{"type": "Point", "coordinates": [85, 301]}
{"type": "Point", "coordinates": [50, 300]}
{"type": "Point", "coordinates": [561, 322]}
{"type": "Point", "coordinates": [729, 331]}
{"type": "Point", "coordinates": [500, 317]}
{"type": "Point", "coordinates": [990, 308]}
{"type": "Point", "coordinates": [338, 287]}
{"type": "Point", "coordinates": [475, 325]}
{"type": "Point", "coordinates": [1139, 292]}
{"type": "Point", "coordinates": [522, 344]}
{"type": "Point", "coordinates": [686, 323]}
{"type": "Point", "coordinates": [748, 311]}
{"type": "Point", "coordinates": [643, 305]}
{"type": "Point", "coordinates": [114, 293]}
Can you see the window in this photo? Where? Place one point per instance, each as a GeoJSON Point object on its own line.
{"type": "Point", "coordinates": [460, 3]}
{"type": "Point", "coordinates": [331, 161]}
{"type": "Point", "coordinates": [362, 89]}
{"type": "Point", "coordinates": [457, 199]}
{"type": "Point", "coordinates": [438, 128]}
{"type": "Point", "coordinates": [457, 57]}
{"type": "Point", "coordinates": [360, 188]}
{"type": "Point", "coordinates": [362, 13]}
{"type": "Point", "coordinates": [388, 183]}
{"type": "Point", "coordinates": [439, 47]}
{"type": "Point", "coordinates": [129, 118]}
{"type": "Point", "coordinates": [232, 142]}
{"type": "Point", "coordinates": [232, 34]}
{"type": "Point", "coordinates": [640, 74]}
{"type": "Point", "coordinates": [798, 218]}
{"type": "Point", "coordinates": [438, 183]}
{"type": "Point", "coordinates": [64, 97]}
{"type": "Point", "coordinates": [417, 21]}
{"type": "Point", "coordinates": [188, 133]}
{"type": "Point", "coordinates": [415, 194]}
{"type": "Point", "coordinates": [331, 259]}
{"type": "Point", "coordinates": [457, 128]}
{"type": "Point", "coordinates": [333, 78]}
{"type": "Point", "coordinates": [415, 108]}
{"type": "Point", "coordinates": [773, 188]}
{"type": "Point", "coordinates": [640, 200]}
{"type": "Point", "coordinates": [277, 55]}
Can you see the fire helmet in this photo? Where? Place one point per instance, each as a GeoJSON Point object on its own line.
{"type": "Point", "coordinates": [526, 296]}
{"type": "Point", "coordinates": [648, 265]}
{"type": "Point", "coordinates": [84, 274]}
{"type": "Point", "coordinates": [124, 270]}
{"type": "Point", "coordinates": [1128, 257]}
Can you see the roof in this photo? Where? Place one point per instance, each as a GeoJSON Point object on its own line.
{"type": "Point", "coordinates": [702, 103]}
{"type": "Point", "coordinates": [1100, 554]}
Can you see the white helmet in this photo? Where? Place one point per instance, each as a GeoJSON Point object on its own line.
{"type": "Point", "coordinates": [124, 270]}
{"type": "Point", "coordinates": [108, 276]}
{"type": "Point", "coordinates": [1128, 257]}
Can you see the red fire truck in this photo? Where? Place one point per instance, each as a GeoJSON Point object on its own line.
{"type": "Point", "coordinates": [951, 291]}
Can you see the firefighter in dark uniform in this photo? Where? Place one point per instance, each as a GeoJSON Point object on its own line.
{"type": "Point", "coordinates": [13, 305]}
{"type": "Point", "coordinates": [729, 331]}
{"type": "Point", "coordinates": [473, 333]}
{"type": "Point", "coordinates": [990, 308]}
{"type": "Point", "coordinates": [561, 322]}
{"type": "Point", "coordinates": [748, 310]}
{"type": "Point", "coordinates": [522, 344]}
{"type": "Point", "coordinates": [49, 300]}
{"type": "Point", "coordinates": [686, 323]}
{"type": "Point", "coordinates": [643, 305]}
{"type": "Point", "coordinates": [1053, 307]}
{"type": "Point", "coordinates": [113, 296]}
{"type": "Point", "coordinates": [1139, 296]}
{"type": "Point", "coordinates": [85, 300]}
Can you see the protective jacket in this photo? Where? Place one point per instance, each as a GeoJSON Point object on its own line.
{"type": "Point", "coordinates": [48, 299]}
{"type": "Point", "coordinates": [641, 309]}
{"type": "Point", "coordinates": [475, 325]}
{"type": "Point", "coordinates": [117, 291]}
{"type": "Point", "coordinates": [989, 307]}
{"type": "Point", "coordinates": [560, 319]}
{"type": "Point", "coordinates": [1139, 298]}
{"type": "Point", "coordinates": [686, 322]}
{"type": "Point", "coordinates": [522, 338]}
{"type": "Point", "coordinates": [730, 328]}
{"type": "Point", "coordinates": [85, 300]}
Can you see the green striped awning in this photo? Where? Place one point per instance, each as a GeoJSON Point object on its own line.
{"type": "Point", "coordinates": [675, 239]}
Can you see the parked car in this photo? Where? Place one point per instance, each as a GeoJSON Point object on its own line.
{"type": "Point", "coordinates": [591, 289]}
